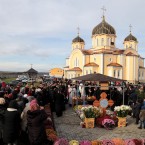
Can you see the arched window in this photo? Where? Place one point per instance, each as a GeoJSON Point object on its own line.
{"type": "Point", "coordinates": [118, 73]}
{"type": "Point", "coordinates": [126, 46]}
{"type": "Point", "coordinates": [110, 59]}
{"type": "Point", "coordinates": [97, 42]}
{"type": "Point", "coordinates": [108, 43]}
{"type": "Point", "coordinates": [102, 42]}
{"type": "Point", "coordinates": [76, 46]}
{"type": "Point", "coordinates": [90, 71]}
{"type": "Point", "coordinates": [114, 73]}
{"type": "Point", "coordinates": [86, 72]}
{"type": "Point", "coordinates": [94, 59]}
{"type": "Point", "coordinates": [130, 45]}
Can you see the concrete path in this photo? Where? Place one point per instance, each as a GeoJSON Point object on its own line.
{"type": "Point", "coordinates": [68, 126]}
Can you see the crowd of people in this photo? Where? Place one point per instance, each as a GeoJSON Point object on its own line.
{"type": "Point", "coordinates": [22, 113]}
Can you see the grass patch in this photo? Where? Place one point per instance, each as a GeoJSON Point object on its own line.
{"type": "Point", "coordinates": [7, 80]}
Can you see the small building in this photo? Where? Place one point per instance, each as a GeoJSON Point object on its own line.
{"type": "Point", "coordinates": [32, 73]}
{"type": "Point", "coordinates": [56, 72]}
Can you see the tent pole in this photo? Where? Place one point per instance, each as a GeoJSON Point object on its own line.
{"type": "Point", "coordinates": [123, 94]}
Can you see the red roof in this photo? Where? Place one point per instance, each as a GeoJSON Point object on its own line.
{"type": "Point", "coordinates": [114, 64]}
{"type": "Point", "coordinates": [91, 64]}
{"type": "Point", "coordinates": [75, 69]}
{"type": "Point", "coordinates": [131, 54]}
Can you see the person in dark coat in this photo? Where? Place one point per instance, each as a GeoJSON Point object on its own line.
{"type": "Point", "coordinates": [142, 116]}
{"type": "Point", "coordinates": [2, 113]}
{"type": "Point", "coordinates": [59, 103]}
{"type": "Point", "coordinates": [35, 124]}
{"type": "Point", "coordinates": [12, 124]}
{"type": "Point", "coordinates": [136, 110]}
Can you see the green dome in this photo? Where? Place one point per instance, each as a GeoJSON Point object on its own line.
{"type": "Point", "coordinates": [103, 28]}
{"type": "Point", "coordinates": [77, 39]}
{"type": "Point", "coordinates": [130, 37]}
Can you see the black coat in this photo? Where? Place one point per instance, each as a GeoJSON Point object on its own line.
{"type": "Point", "coordinates": [11, 126]}
{"type": "Point", "coordinates": [59, 103]}
{"type": "Point", "coordinates": [2, 113]}
{"type": "Point", "coordinates": [36, 127]}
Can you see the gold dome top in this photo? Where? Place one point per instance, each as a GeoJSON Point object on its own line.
{"type": "Point", "coordinates": [103, 28]}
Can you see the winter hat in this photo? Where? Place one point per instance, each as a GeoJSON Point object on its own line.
{"type": "Point", "coordinates": [38, 90]}
{"type": "Point", "coordinates": [25, 95]}
{"type": "Point", "coordinates": [10, 95]}
{"type": "Point", "coordinates": [13, 104]}
{"type": "Point", "coordinates": [34, 105]}
{"type": "Point", "coordinates": [2, 101]}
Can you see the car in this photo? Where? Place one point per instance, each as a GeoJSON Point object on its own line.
{"type": "Point", "coordinates": [31, 80]}
{"type": "Point", "coordinates": [14, 82]}
{"type": "Point", "coordinates": [24, 80]}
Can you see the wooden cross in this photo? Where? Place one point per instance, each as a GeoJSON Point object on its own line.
{"type": "Point", "coordinates": [103, 102]}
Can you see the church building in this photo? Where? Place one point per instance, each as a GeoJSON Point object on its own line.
{"type": "Point", "coordinates": [104, 57]}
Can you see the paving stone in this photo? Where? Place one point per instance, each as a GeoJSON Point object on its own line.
{"type": "Point", "coordinates": [68, 126]}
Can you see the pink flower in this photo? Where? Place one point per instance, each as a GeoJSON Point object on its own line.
{"type": "Point", "coordinates": [85, 142]}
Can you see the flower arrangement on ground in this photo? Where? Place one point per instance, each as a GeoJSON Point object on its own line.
{"type": "Point", "coordinates": [118, 141]}
{"type": "Point", "coordinates": [122, 111]}
{"type": "Point", "coordinates": [73, 142]}
{"type": "Point", "coordinates": [61, 141]}
{"type": "Point", "coordinates": [85, 142]}
{"type": "Point", "coordinates": [108, 123]}
{"type": "Point", "coordinates": [91, 98]}
{"type": "Point", "coordinates": [91, 111]}
{"type": "Point", "coordinates": [96, 142]}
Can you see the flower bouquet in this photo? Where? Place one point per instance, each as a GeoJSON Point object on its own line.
{"type": "Point", "coordinates": [122, 111]}
{"type": "Point", "coordinates": [108, 123]}
{"type": "Point", "coordinates": [73, 142]}
{"type": "Point", "coordinates": [61, 141]}
{"type": "Point", "coordinates": [85, 142]}
{"type": "Point", "coordinates": [91, 111]}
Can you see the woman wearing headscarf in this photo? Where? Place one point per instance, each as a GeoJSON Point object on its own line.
{"type": "Point", "coordinates": [35, 124]}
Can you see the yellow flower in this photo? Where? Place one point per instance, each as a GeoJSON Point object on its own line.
{"type": "Point", "coordinates": [73, 142]}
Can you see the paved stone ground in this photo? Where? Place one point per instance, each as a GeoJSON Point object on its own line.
{"type": "Point", "coordinates": [68, 126]}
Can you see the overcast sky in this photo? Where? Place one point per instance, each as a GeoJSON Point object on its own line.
{"type": "Point", "coordinates": [40, 32]}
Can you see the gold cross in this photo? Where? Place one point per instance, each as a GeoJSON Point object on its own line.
{"type": "Point", "coordinates": [103, 9]}
{"type": "Point", "coordinates": [130, 28]}
{"type": "Point", "coordinates": [78, 30]}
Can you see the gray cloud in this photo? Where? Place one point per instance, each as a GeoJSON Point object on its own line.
{"type": "Point", "coordinates": [25, 25]}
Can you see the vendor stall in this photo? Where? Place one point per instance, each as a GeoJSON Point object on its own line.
{"type": "Point", "coordinates": [101, 79]}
